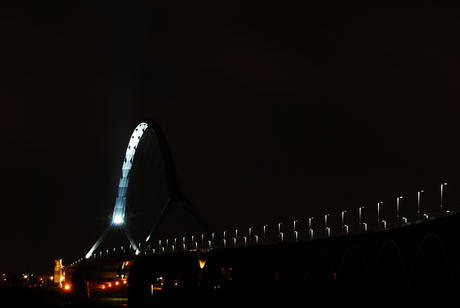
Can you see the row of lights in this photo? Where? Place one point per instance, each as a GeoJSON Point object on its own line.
{"type": "Point", "coordinates": [253, 239]}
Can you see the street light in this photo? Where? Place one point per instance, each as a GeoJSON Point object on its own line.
{"type": "Point", "coordinates": [378, 214]}
{"type": "Point", "coordinates": [343, 220]}
{"type": "Point", "coordinates": [442, 188]}
{"type": "Point", "coordinates": [279, 231]}
{"type": "Point", "coordinates": [360, 210]}
{"type": "Point", "coordinates": [265, 233]}
{"type": "Point", "coordinates": [295, 229]}
{"type": "Point", "coordinates": [397, 210]}
{"type": "Point", "coordinates": [309, 227]}
{"type": "Point", "coordinates": [325, 224]}
{"type": "Point", "coordinates": [418, 203]}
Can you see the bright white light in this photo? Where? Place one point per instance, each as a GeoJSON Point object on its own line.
{"type": "Point", "coordinates": [117, 219]}
{"type": "Point", "coordinates": [120, 202]}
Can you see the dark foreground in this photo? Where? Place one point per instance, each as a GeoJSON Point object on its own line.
{"type": "Point", "coordinates": [45, 297]}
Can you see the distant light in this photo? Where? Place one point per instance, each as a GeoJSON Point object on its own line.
{"type": "Point", "coordinates": [117, 220]}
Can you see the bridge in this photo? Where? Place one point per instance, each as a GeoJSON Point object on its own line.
{"type": "Point", "coordinates": [158, 249]}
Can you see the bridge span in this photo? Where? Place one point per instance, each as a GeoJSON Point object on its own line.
{"type": "Point", "coordinates": [412, 263]}
{"type": "Point", "coordinates": [409, 262]}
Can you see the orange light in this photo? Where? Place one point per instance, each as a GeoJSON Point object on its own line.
{"type": "Point", "coordinates": [67, 287]}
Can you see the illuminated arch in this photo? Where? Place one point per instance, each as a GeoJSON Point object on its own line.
{"type": "Point", "coordinates": [175, 197]}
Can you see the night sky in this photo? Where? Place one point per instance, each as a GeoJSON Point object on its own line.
{"type": "Point", "coordinates": [273, 112]}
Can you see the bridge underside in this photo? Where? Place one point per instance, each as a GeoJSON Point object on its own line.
{"type": "Point", "coordinates": [410, 264]}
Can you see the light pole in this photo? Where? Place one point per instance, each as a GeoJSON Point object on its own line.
{"type": "Point", "coordinates": [279, 231]}
{"type": "Point", "coordinates": [442, 190]}
{"type": "Point", "coordinates": [295, 229]}
{"type": "Point", "coordinates": [265, 233]}
{"type": "Point", "coordinates": [418, 203]}
{"type": "Point", "coordinates": [310, 230]}
{"type": "Point", "coordinates": [360, 212]}
{"type": "Point", "coordinates": [397, 210]}
{"type": "Point", "coordinates": [325, 225]}
{"type": "Point", "coordinates": [343, 221]}
{"type": "Point", "coordinates": [378, 214]}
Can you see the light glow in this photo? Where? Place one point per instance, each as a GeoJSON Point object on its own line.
{"type": "Point", "coordinates": [117, 220]}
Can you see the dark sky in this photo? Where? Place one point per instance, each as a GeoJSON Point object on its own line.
{"type": "Point", "coordinates": [273, 112]}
